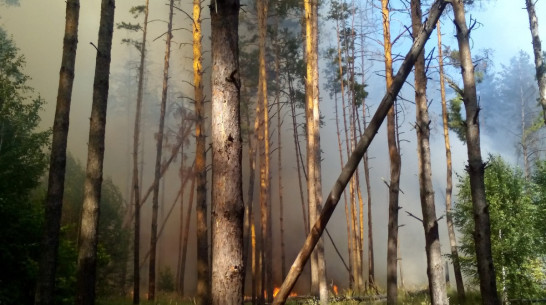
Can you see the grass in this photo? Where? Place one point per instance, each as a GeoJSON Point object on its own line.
{"type": "Point", "coordinates": [404, 298]}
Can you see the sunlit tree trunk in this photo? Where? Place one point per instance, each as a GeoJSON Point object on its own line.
{"type": "Point", "coordinates": [537, 51]}
{"type": "Point", "coordinates": [394, 155]}
{"type": "Point", "coordinates": [45, 288]}
{"type": "Point", "coordinates": [267, 286]}
{"type": "Point", "coordinates": [203, 288]}
{"type": "Point", "coordinates": [350, 167]}
{"type": "Point", "coordinates": [159, 149]}
{"type": "Point", "coordinates": [475, 167]}
{"type": "Point", "coordinates": [227, 201]}
{"type": "Point", "coordinates": [136, 180]}
{"type": "Point", "coordinates": [435, 265]}
{"type": "Point", "coordinates": [449, 175]}
{"type": "Point", "coordinates": [89, 228]}
{"type": "Point", "coordinates": [314, 189]}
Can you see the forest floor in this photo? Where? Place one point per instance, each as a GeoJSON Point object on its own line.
{"type": "Point", "coordinates": [406, 298]}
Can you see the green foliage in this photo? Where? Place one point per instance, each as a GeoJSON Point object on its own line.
{"type": "Point", "coordinates": [455, 119]}
{"type": "Point", "coordinates": [166, 280]}
{"type": "Point", "coordinates": [22, 162]}
{"type": "Point", "coordinates": [516, 235]}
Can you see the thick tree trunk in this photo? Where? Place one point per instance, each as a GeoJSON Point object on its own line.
{"type": "Point", "coordinates": [449, 175]}
{"type": "Point", "coordinates": [314, 188]}
{"type": "Point", "coordinates": [537, 51]}
{"type": "Point", "coordinates": [227, 199]}
{"type": "Point", "coordinates": [136, 180]}
{"type": "Point", "coordinates": [394, 155]}
{"type": "Point", "coordinates": [475, 167]}
{"type": "Point", "coordinates": [267, 285]}
{"type": "Point", "coordinates": [203, 288]}
{"type": "Point", "coordinates": [159, 149]}
{"type": "Point", "coordinates": [351, 165]}
{"type": "Point", "coordinates": [45, 289]}
{"type": "Point", "coordinates": [88, 238]}
{"type": "Point", "coordinates": [435, 265]}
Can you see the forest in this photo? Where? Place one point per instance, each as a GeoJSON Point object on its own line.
{"type": "Point", "coordinates": [272, 152]}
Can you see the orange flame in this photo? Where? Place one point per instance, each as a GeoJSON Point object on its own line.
{"type": "Point", "coordinates": [276, 291]}
{"type": "Point", "coordinates": [335, 289]}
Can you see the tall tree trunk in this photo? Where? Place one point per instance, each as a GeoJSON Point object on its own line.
{"type": "Point", "coordinates": [136, 180]}
{"type": "Point", "coordinates": [45, 289]}
{"type": "Point", "coordinates": [227, 199]}
{"type": "Point", "coordinates": [537, 51]}
{"type": "Point", "coordinates": [335, 193]}
{"type": "Point", "coordinates": [394, 155]}
{"type": "Point", "coordinates": [267, 286]}
{"type": "Point", "coordinates": [159, 148]}
{"type": "Point", "coordinates": [203, 288]}
{"type": "Point", "coordinates": [89, 228]}
{"type": "Point", "coordinates": [314, 189]}
{"type": "Point", "coordinates": [475, 167]}
{"type": "Point", "coordinates": [435, 265]}
{"type": "Point", "coordinates": [279, 147]}
{"type": "Point", "coordinates": [449, 175]}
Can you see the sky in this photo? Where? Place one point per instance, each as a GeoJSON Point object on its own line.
{"type": "Point", "coordinates": [37, 28]}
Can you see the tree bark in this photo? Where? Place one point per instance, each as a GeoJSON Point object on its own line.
{"type": "Point", "coordinates": [227, 202]}
{"type": "Point", "coordinates": [136, 182]}
{"type": "Point", "coordinates": [435, 265]}
{"type": "Point", "coordinates": [45, 289]}
{"type": "Point", "coordinates": [351, 165]}
{"type": "Point", "coordinates": [203, 288]}
{"type": "Point", "coordinates": [475, 167]}
{"type": "Point", "coordinates": [159, 149]}
{"type": "Point", "coordinates": [537, 51]}
{"type": "Point", "coordinates": [449, 175]}
{"type": "Point", "coordinates": [267, 285]}
{"type": "Point", "coordinates": [88, 237]}
{"type": "Point", "coordinates": [394, 155]}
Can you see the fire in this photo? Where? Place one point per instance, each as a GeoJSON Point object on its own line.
{"type": "Point", "coordinates": [276, 291]}
{"type": "Point", "coordinates": [334, 287]}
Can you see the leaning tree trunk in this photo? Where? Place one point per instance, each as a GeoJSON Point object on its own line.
{"type": "Point", "coordinates": [45, 288]}
{"type": "Point", "coordinates": [227, 199]}
{"type": "Point", "coordinates": [333, 198]}
{"type": "Point", "coordinates": [537, 51]}
{"type": "Point", "coordinates": [475, 167]}
{"type": "Point", "coordinates": [394, 154]}
{"type": "Point", "coordinates": [435, 265]}
{"type": "Point", "coordinates": [89, 228]}
{"type": "Point", "coordinates": [136, 182]}
{"type": "Point", "coordinates": [159, 148]}
{"type": "Point", "coordinates": [449, 175]}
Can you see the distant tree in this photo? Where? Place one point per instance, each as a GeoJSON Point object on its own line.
{"type": "Point", "coordinates": [159, 151]}
{"type": "Point", "coordinates": [141, 47]}
{"type": "Point", "coordinates": [227, 200]}
{"type": "Point", "coordinates": [515, 206]}
{"type": "Point", "coordinates": [540, 66]}
{"type": "Point", "coordinates": [45, 287]}
{"type": "Point", "coordinates": [88, 237]}
{"type": "Point", "coordinates": [23, 160]}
